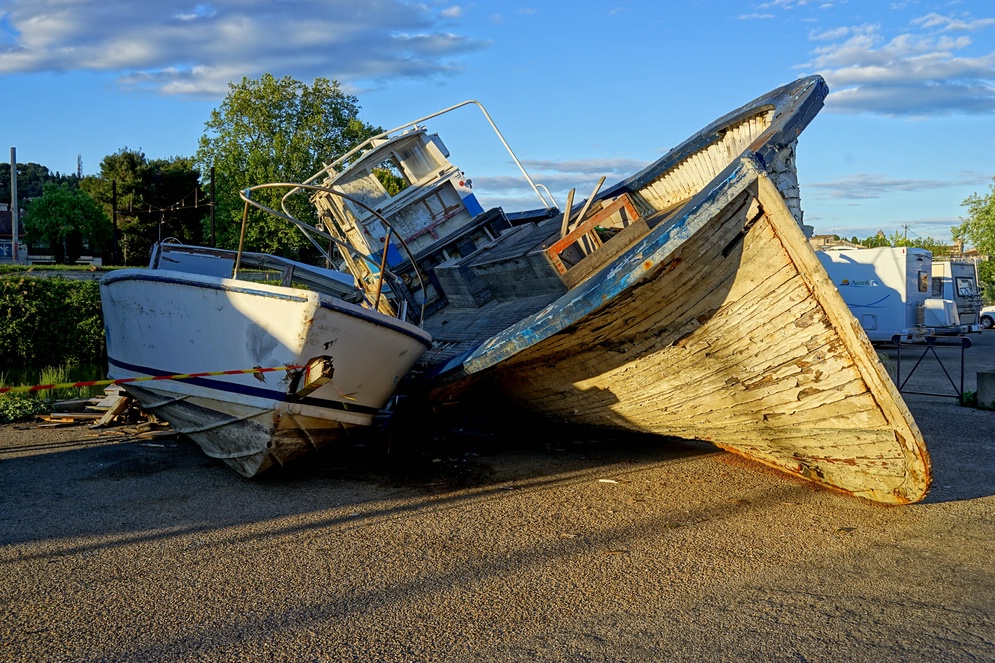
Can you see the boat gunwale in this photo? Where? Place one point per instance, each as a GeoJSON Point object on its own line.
{"type": "Point", "coordinates": [326, 301]}
{"type": "Point", "coordinates": [794, 106]}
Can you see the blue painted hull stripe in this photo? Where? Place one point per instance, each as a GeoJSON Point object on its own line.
{"type": "Point", "coordinates": [246, 390]}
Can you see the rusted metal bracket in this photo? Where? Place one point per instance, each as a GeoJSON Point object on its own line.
{"type": "Point", "coordinates": [931, 344]}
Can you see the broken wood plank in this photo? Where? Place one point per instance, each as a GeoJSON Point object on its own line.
{"type": "Point", "coordinates": [78, 416]}
{"type": "Point", "coordinates": [119, 406]}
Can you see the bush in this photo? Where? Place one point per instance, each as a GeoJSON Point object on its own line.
{"type": "Point", "coordinates": [18, 407]}
{"type": "Point", "coordinates": [45, 322]}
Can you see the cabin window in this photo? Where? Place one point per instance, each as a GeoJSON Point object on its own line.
{"type": "Point", "coordinates": [937, 286]}
{"type": "Point", "coordinates": [390, 175]}
{"type": "Point", "coordinates": [923, 282]}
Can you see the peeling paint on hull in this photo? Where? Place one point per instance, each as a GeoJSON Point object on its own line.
{"type": "Point", "coordinates": [720, 324]}
{"type": "Point", "coordinates": [754, 351]}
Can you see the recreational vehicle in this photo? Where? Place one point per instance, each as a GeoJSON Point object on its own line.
{"type": "Point", "coordinates": [958, 281]}
{"type": "Point", "coordinates": [889, 291]}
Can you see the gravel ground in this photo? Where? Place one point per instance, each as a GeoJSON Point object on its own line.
{"type": "Point", "coordinates": [559, 547]}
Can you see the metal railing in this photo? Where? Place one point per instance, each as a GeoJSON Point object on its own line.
{"type": "Point", "coordinates": [310, 231]}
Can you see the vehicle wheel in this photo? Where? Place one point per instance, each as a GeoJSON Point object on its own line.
{"type": "Point", "coordinates": [987, 321]}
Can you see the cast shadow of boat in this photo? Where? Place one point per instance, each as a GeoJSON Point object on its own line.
{"type": "Point", "coordinates": [82, 496]}
{"type": "Point", "coordinates": [115, 495]}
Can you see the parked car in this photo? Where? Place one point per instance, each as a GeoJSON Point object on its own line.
{"type": "Point", "coordinates": [987, 317]}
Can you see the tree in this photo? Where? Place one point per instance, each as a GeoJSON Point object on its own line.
{"type": "Point", "coordinates": [31, 177]}
{"type": "Point", "coordinates": [986, 280]}
{"type": "Point", "coordinates": [979, 226]}
{"type": "Point", "coordinates": [875, 241]}
{"type": "Point", "coordinates": [156, 199]}
{"type": "Point", "coordinates": [270, 130]}
{"type": "Point", "coordinates": [936, 247]}
{"type": "Point", "coordinates": [979, 229]}
{"type": "Point", "coordinates": [67, 220]}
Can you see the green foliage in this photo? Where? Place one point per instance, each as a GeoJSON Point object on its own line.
{"type": "Point", "coordinates": [986, 280]}
{"type": "Point", "coordinates": [63, 374]}
{"type": "Point", "coordinates": [66, 220]}
{"type": "Point", "coordinates": [26, 270]}
{"type": "Point", "coordinates": [155, 199]}
{"type": "Point", "coordinates": [979, 226]}
{"type": "Point", "coordinates": [18, 407]}
{"type": "Point", "coordinates": [875, 241]}
{"type": "Point", "coordinates": [274, 130]}
{"type": "Point", "coordinates": [969, 399]}
{"type": "Point", "coordinates": [31, 178]}
{"type": "Point", "coordinates": [393, 182]}
{"type": "Point", "coordinates": [899, 239]}
{"type": "Point", "coordinates": [50, 321]}
{"type": "Point", "coordinates": [936, 247]}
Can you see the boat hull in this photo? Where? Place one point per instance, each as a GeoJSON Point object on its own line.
{"type": "Point", "coordinates": [723, 327]}
{"type": "Point", "coordinates": [162, 323]}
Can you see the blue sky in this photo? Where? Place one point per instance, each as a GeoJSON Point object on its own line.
{"type": "Point", "coordinates": [580, 89]}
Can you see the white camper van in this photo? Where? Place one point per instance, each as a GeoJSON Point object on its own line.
{"type": "Point", "coordinates": [888, 291]}
{"type": "Point", "coordinates": [958, 280]}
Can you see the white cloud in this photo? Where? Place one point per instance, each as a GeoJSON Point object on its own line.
{"type": "Point", "coordinates": [784, 4]}
{"type": "Point", "coordinates": [865, 186]}
{"type": "Point", "coordinates": [948, 23]}
{"type": "Point", "coordinates": [620, 167]}
{"type": "Point", "coordinates": [914, 74]}
{"type": "Point", "coordinates": [514, 194]}
{"type": "Point", "coordinates": [180, 47]}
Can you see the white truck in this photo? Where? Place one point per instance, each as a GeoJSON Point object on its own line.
{"type": "Point", "coordinates": [889, 291]}
{"type": "Point", "coordinates": [958, 280]}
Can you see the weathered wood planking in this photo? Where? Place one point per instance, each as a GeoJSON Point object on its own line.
{"type": "Point", "coordinates": [705, 315]}
{"type": "Point", "coordinates": [763, 360]}
{"type": "Point", "coordinates": [688, 177]}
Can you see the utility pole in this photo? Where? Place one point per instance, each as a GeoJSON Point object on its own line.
{"type": "Point", "coordinates": [114, 236]}
{"type": "Point", "coordinates": [213, 244]}
{"type": "Point", "coordinates": [14, 211]}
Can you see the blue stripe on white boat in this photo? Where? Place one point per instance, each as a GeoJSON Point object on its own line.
{"type": "Point", "coordinates": [244, 390]}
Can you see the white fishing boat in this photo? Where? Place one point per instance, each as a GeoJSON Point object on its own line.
{"type": "Point", "coordinates": [683, 301]}
{"type": "Point", "coordinates": [337, 360]}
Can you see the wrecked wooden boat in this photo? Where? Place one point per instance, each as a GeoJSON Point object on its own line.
{"type": "Point", "coordinates": [683, 301]}
{"type": "Point", "coordinates": [333, 361]}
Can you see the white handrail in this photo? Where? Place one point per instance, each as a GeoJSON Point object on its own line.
{"type": "Point", "coordinates": [550, 204]}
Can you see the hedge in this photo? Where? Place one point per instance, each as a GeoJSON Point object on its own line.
{"type": "Point", "coordinates": [50, 322]}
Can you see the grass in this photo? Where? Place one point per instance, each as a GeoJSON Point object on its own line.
{"type": "Point", "coordinates": [27, 269]}
{"type": "Point", "coordinates": [19, 406]}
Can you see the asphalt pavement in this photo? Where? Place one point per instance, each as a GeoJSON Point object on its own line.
{"type": "Point", "coordinates": [557, 546]}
